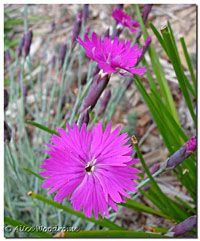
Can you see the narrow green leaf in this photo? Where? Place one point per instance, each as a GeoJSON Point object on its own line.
{"type": "Point", "coordinates": [112, 234]}
{"type": "Point", "coordinates": [189, 63]}
{"type": "Point", "coordinates": [44, 128]}
{"type": "Point", "coordinates": [101, 222]}
{"type": "Point", "coordinates": [156, 115]}
{"type": "Point", "coordinates": [178, 70]}
{"type": "Point", "coordinates": [35, 174]}
{"type": "Point", "coordinates": [158, 35]}
{"type": "Point", "coordinates": [186, 205]}
{"type": "Point", "coordinates": [27, 228]}
{"type": "Point", "coordinates": [159, 72]}
{"type": "Point", "coordinates": [170, 120]}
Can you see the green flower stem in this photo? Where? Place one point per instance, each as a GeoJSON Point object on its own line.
{"type": "Point", "coordinates": [102, 222]}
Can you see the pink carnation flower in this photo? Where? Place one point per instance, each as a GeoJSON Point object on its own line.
{"type": "Point", "coordinates": [125, 20]}
{"type": "Point", "coordinates": [91, 168]}
{"type": "Point", "coordinates": [111, 55]}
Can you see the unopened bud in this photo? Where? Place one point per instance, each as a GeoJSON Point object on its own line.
{"type": "Point", "coordinates": [62, 53]}
{"type": "Point", "coordinates": [146, 11]}
{"type": "Point", "coordinates": [85, 12]}
{"type": "Point", "coordinates": [116, 32]}
{"type": "Point", "coordinates": [104, 101]}
{"type": "Point", "coordinates": [53, 61]}
{"type": "Point", "coordinates": [154, 168]}
{"type": "Point", "coordinates": [106, 34]}
{"type": "Point", "coordinates": [5, 99]}
{"type": "Point", "coordinates": [25, 91]}
{"type": "Point", "coordinates": [129, 82]}
{"type": "Point", "coordinates": [87, 30]}
{"type": "Point", "coordinates": [146, 188]}
{"type": "Point", "coordinates": [145, 14]}
{"type": "Point", "coordinates": [7, 132]}
{"type": "Point", "coordinates": [145, 48]}
{"type": "Point", "coordinates": [184, 227]}
{"type": "Point", "coordinates": [76, 28]}
{"type": "Point", "coordinates": [84, 78]}
{"type": "Point", "coordinates": [8, 57]}
{"type": "Point", "coordinates": [52, 26]}
{"type": "Point", "coordinates": [63, 102]}
{"type": "Point", "coordinates": [95, 71]}
{"type": "Point", "coordinates": [183, 153]}
{"type": "Point", "coordinates": [119, 6]}
{"type": "Point", "coordinates": [27, 42]}
{"type": "Point", "coordinates": [20, 46]}
{"type": "Point", "coordinates": [97, 87]}
{"type": "Point", "coordinates": [84, 118]}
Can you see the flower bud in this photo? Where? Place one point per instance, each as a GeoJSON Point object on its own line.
{"type": "Point", "coordinates": [53, 61]}
{"type": "Point", "coordinates": [95, 71]}
{"type": "Point", "coordinates": [119, 6]}
{"type": "Point", "coordinates": [84, 78]}
{"type": "Point", "coordinates": [7, 132]}
{"type": "Point", "coordinates": [104, 101]}
{"type": "Point", "coordinates": [62, 53]}
{"type": "Point", "coordinates": [20, 46]}
{"type": "Point", "coordinates": [145, 48]}
{"type": "Point", "coordinates": [25, 91]}
{"type": "Point", "coordinates": [146, 11]}
{"type": "Point", "coordinates": [76, 28]}
{"type": "Point", "coordinates": [154, 168]}
{"type": "Point", "coordinates": [8, 57]}
{"type": "Point", "coordinates": [129, 82]}
{"type": "Point", "coordinates": [84, 118]}
{"type": "Point", "coordinates": [52, 26]}
{"type": "Point", "coordinates": [116, 32]}
{"type": "Point", "coordinates": [63, 102]}
{"type": "Point", "coordinates": [27, 42]}
{"type": "Point", "coordinates": [146, 188]}
{"type": "Point", "coordinates": [184, 227]}
{"type": "Point", "coordinates": [85, 12]}
{"type": "Point", "coordinates": [5, 99]}
{"type": "Point", "coordinates": [183, 153]}
{"type": "Point", "coordinates": [97, 87]}
{"type": "Point", "coordinates": [145, 14]}
{"type": "Point", "coordinates": [87, 30]}
{"type": "Point", "coordinates": [106, 34]}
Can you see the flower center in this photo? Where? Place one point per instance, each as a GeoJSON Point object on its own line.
{"type": "Point", "coordinates": [89, 168]}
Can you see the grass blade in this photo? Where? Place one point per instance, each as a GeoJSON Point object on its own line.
{"type": "Point", "coordinates": [112, 234]}
{"type": "Point", "coordinates": [44, 128]}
